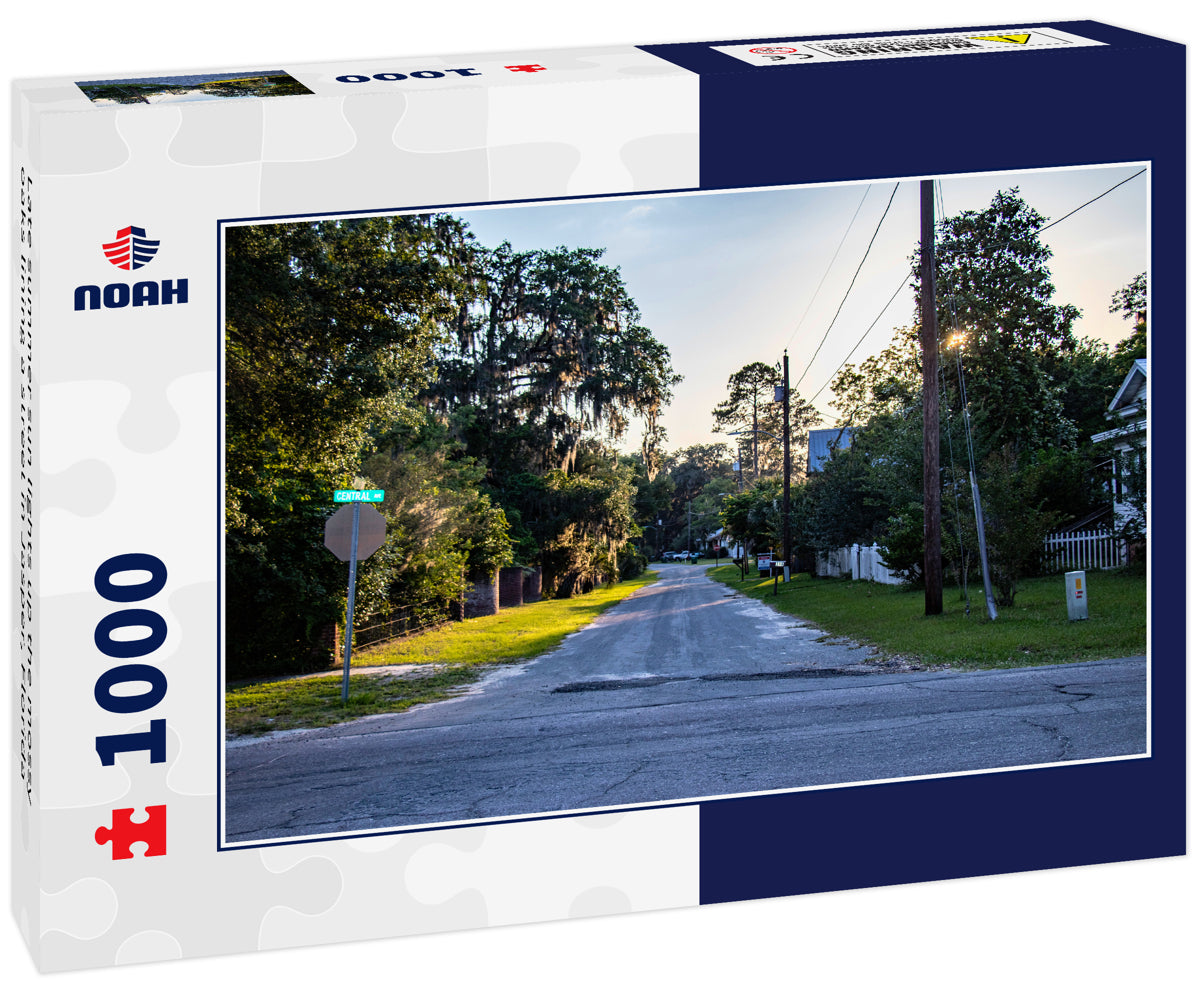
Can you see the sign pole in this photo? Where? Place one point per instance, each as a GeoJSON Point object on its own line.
{"type": "Point", "coordinates": [349, 636]}
{"type": "Point", "coordinates": [353, 533]}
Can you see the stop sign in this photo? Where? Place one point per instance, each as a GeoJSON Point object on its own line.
{"type": "Point", "coordinates": [372, 530]}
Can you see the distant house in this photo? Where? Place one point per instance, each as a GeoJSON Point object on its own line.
{"type": "Point", "coordinates": [1128, 442]}
{"type": "Point", "coordinates": [821, 441]}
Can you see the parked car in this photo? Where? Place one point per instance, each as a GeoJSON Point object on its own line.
{"type": "Point", "coordinates": [669, 555]}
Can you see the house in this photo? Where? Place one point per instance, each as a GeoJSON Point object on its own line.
{"type": "Point", "coordinates": [1128, 442]}
{"type": "Point", "coordinates": [821, 441]}
{"type": "Point", "coordinates": [721, 539]}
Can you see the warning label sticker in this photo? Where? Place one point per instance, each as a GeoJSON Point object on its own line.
{"type": "Point", "coordinates": [896, 46]}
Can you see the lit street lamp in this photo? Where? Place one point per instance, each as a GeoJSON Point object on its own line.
{"type": "Point", "coordinates": [956, 340]}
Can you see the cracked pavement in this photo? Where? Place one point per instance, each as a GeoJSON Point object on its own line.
{"type": "Point", "coordinates": [683, 691]}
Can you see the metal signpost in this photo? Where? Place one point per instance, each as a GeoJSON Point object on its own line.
{"type": "Point", "coordinates": [353, 533]}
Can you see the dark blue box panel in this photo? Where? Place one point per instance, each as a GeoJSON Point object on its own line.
{"type": "Point", "coordinates": [932, 116]}
{"type": "Point", "coordinates": [937, 829]}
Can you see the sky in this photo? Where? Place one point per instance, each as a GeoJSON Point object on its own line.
{"type": "Point", "coordinates": [725, 279]}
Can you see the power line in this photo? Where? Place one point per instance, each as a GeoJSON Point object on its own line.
{"type": "Point", "coordinates": [852, 281]}
{"type": "Point", "coordinates": [903, 283]}
{"type": "Point", "coordinates": [1096, 199]}
{"type": "Point", "coordinates": [942, 215]}
{"type": "Point", "coordinates": [832, 261]}
{"type": "Point", "coordinates": [1009, 243]}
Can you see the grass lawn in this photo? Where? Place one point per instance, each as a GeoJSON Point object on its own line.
{"type": "Point", "coordinates": [454, 655]}
{"type": "Point", "coordinates": [1034, 632]}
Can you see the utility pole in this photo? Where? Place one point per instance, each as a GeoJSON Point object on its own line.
{"type": "Point", "coordinates": [787, 471]}
{"type": "Point", "coordinates": [933, 432]}
{"type": "Point", "coordinates": [755, 433]}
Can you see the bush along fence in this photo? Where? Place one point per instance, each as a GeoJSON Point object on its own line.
{"type": "Point", "coordinates": [1097, 549]}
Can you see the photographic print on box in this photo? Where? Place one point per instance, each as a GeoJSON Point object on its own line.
{"type": "Point", "coordinates": [192, 87]}
{"type": "Point", "coordinates": [565, 421]}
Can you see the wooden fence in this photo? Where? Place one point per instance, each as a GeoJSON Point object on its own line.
{"type": "Point", "coordinates": [862, 563]}
{"type": "Point", "coordinates": [401, 622]}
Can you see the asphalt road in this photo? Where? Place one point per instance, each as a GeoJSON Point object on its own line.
{"type": "Point", "coordinates": [685, 690]}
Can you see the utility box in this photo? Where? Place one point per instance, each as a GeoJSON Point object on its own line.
{"type": "Point", "coordinates": [1076, 594]}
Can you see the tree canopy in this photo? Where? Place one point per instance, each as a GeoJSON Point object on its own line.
{"type": "Point", "coordinates": [1035, 391]}
{"type": "Point", "coordinates": [752, 412]}
{"type": "Point", "coordinates": [473, 384]}
{"type": "Point", "coordinates": [548, 347]}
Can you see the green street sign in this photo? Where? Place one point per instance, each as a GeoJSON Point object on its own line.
{"type": "Point", "coordinates": [342, 496]}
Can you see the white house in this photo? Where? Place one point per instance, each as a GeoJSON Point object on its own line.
{"type": "Point", "coordinates": [721, 538]}
{"type": "Point", "coordinates": [1128, 441]}
{"type": "Point", "coordinates": [822, 441]}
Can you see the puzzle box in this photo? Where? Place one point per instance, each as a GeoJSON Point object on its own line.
{"type": "Point", "coordinates": [246, 196]}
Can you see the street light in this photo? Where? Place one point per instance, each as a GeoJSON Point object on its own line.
{"type": "Point", "coordinates": [760, 433]}
{"type": "Point", "coordinates": [956, 340]}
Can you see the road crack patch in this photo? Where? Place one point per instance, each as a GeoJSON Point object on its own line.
{"type": "Point", "coordinates": [646, 681]}
{"type": "Point", "coordinates": [760, 676]}
{"type": "Point", "coordinates": [607, 684]}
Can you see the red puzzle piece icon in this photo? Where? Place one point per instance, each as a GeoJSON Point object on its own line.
{"type": "Point", "coordinates": [124, 832]}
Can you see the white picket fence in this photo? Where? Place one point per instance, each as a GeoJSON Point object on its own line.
{"type": "Point", "coordinates": [862, 563]}
{"type": "Point", "coordinates": [1096, 549]}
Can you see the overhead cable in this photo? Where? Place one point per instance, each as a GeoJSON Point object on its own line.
{"type": "Point", "coordinates": [851, 287]}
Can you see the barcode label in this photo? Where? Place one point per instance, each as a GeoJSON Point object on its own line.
{"type": "Point", "coordinates": [795, 53]}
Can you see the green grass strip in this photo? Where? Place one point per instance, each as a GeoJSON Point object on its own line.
{"type": "Point", "coordinates": [455, 655]}
{"type": "Point", "coordinates": [1033, 632]}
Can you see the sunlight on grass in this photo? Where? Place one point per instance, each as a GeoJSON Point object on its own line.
{"type": "Point", "coordinates": [453, 656]}
{"type": "Point", "coordinates": [316, 701]}
{"type": "Point", "coordinates": [512, 635]}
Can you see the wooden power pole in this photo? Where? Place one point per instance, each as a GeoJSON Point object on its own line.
{"type": "Point", "coordinates": [787, 471]}
{"type": "Point", "coordinates": [933, 432]}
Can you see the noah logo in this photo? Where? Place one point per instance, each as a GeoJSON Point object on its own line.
{"type": "Point", "coordinates": [131, 250]}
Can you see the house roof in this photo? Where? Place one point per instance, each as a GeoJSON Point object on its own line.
{"type": "Point", "coordinates": [1128, 403]}
{"type": "Point", "coordinates": [1133, 389]}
